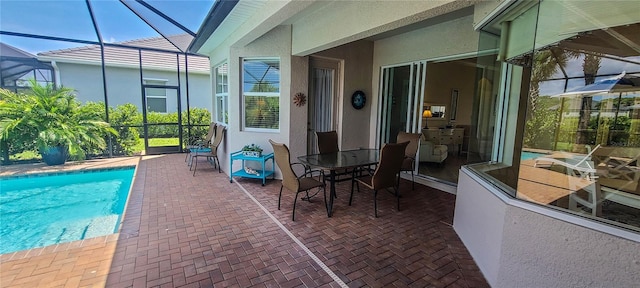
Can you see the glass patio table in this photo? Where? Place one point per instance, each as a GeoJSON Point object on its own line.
{"type": "Point", "coordinates": [338, 161]}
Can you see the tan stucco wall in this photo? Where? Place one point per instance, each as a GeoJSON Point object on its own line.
{"type": "Point", "coordinates": [257, 18]}
{"type": "Point", "coordinates": [360, 69]}
{"type": "Point", "coordinates": [484, 9]}
{"type": "Point", "coordinates": [357, 60]}
{"type": "Point", "coordinates": [298, 115]}
{"type": "Point", "coordinates": [451, 38]}
{"type": "Point", "coordinates": [276, 43]}
{"type": "Point", "coordinates": [348, 22]}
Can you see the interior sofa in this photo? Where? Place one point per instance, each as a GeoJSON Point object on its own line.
{"type": "Point", "coordinates": [431, 152]}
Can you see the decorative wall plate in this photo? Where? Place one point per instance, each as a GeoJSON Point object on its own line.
{"type": "Point", "coordinates": [358, 99]}
{"type": "Point", "coordinates": [299, 99]}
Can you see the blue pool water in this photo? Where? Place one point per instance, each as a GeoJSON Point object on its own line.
{"type": "Point", "coordinates": [44, 210]}
{"type": "Point", "coordinates": [530, 155]}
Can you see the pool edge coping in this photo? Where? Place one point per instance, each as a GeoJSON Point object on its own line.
{"type": "Point", "coordinates": [77, 171]}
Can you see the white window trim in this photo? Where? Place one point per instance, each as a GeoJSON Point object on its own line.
{"type": "Point", "coordinates": [224, 95]}
{"type": "Point", "coordinates": [501, 194]}
{"type": "Point", "coordinates": [166, 109]}
{"type": "Point", "coordinates": [155, 79]}
{"type": "Point", "coordinates": [225, 104]}
{"type": "Point", "coordinates": [267, 94]}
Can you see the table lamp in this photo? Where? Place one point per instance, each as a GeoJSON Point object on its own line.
{"type": "Point", "coordinates": [426, 114]}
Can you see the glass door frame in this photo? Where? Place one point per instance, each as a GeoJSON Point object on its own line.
{"type": "Point", "coordinates": [415, 95]}
{"type": "Point", "coordinates": [146, 124]}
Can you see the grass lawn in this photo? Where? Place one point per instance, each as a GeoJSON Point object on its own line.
{"type": "Point", "coordinates": [156, 142]}
{"type": "Point", "coordinates": [26, 155]}
{"type": "Point", "coordinates": [34, 155]}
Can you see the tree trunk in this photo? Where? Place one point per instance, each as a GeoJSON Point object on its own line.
{"type": "Point", "coordinates": [582, 136]}
{"type": "Point", "coordinates": [590, 68]}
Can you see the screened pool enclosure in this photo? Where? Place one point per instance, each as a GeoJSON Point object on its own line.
{"type": "Point", "coordinates": [128, 59]}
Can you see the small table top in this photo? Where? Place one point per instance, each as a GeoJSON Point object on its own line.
{"type": "Point", "coordinates": [342, 159]}
{"type": "Point", "coordinates": [238, 155]}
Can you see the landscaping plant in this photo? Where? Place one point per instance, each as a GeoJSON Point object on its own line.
{"type": "Point", "coordinates": [53, 118]}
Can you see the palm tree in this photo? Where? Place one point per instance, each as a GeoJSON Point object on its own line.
{"type": "Point", "coordinates": [539, 120]}
{"type": "Point", "coordinates": [53, 118]}
{"type": "Point", "coordinates": [590, 68]}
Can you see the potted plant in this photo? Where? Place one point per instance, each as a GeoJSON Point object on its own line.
{"type": "Point", "coordinates": [252, 150]}
{"type": "Point", "coordinates": [54, 119]}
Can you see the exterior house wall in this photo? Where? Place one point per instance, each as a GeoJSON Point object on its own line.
{"type": "Point", "coordinates": [514, 243]}
{"type": "Point", "coordinates": [305, 38]}
{"type": "Point", "coordinates": [298, 115]}
{"type": "Point", "coordinates": [123, 85]}
{"type": "Point", "coordinates": [521, 244]}
{"type": "Point", "coordinates": [357, 61]}
{"type": "Point", "coordinates": [453, 37]}
{"type": "Point", "coordinates": [516, 246]}
{"type": "Point", "coordinates": [316, 32]}
{"type": "Point", "coordinates": [483, 9]}
{"type": "Point", "coordinates": [276, 43]}
{"type": "Point", "coordinates": [86, 80]}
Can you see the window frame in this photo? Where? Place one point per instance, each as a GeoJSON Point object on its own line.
{"type": "Point", "coordinates": [253, 94]}
{"type": "Point", "coordinates": [522, 73]}
{"type": "Point", "coordinates": [223, 96]}
{"type": "Point", "coordinates": [145, 81]}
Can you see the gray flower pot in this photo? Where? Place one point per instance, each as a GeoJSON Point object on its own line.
{"type": "Point", "coordinates": [56, 155]}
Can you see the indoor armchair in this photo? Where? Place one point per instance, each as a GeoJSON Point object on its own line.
{"type": "Point", "coordinates": [431, 152]}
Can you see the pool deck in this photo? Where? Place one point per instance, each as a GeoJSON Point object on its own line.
{"type": "Point", "coordinates": [38, 168]}
{"type": "Point", "coordinates": [186, 231]}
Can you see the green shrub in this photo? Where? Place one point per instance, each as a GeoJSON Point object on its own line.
{"type": "Point", "coordinates": [200, 120]}
{"type": "Point", "coordinates": [125, 119]}
{"type": "Point", "coordinates": [53, 118]}
{"type": "Point", "coordinates": [540, 127]}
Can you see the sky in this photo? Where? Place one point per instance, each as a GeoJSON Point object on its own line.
{"type": "Point", "coordinates": [71, 19]}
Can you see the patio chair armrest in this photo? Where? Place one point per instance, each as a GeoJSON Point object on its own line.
{"type": "Point", "coordinates": [310, 172]}
{"type": "Point", "coordinates": [413, 158]}
{"type": "Point", "coordinates": [306, 168]}
{"type": "Point", "coordinates": [358, 170]}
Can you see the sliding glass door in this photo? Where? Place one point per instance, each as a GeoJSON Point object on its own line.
{"type": "Point", "coordinates": [401, 97]}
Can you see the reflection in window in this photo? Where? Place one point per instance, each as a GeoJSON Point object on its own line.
{"type": "Point", "coordinates": [437, 111]}
{"type": "Point", "coordinates": [261, 93]}
{"type": "Point", "coordinates": [582, 135]}
{"type": "Point", "coordinates": [576, 145]}
{"type": "Point", "coordinates": [156, 97]}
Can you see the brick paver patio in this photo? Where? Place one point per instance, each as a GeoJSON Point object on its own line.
{"type": "Point", "coordinates": [202, 231]}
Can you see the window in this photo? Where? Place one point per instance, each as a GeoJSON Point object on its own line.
{"type": "Point", "coordinates": [261, 93]}
{"type": "Point", "coordinates": [156, 97]}
{"type": "Point", "coordinates": [222, 92]}
{"type": "Point", "coordinates": [575, 144]}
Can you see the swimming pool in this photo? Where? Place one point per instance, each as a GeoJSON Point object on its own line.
{"type": "Point", "coordinates": [49, 209]}
{"type": "Point", "coordinates": [530, 155]}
